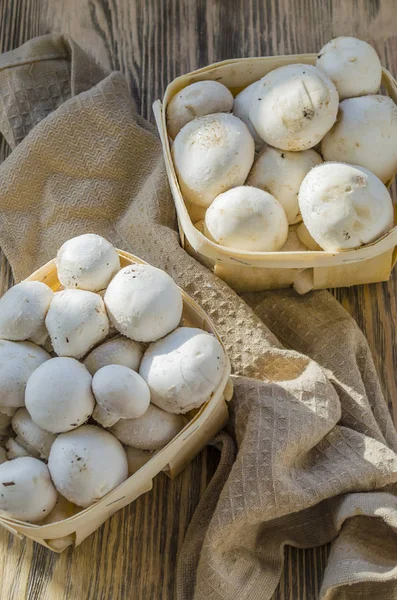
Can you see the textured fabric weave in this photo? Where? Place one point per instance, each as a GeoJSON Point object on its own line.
{"type": "Point", "coordinates": [311, 453]}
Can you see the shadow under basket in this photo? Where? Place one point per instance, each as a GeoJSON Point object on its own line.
{"type": "Point", "coordinates": [257, 271]}
{"type": "Point", "coordinates": [202, 426]}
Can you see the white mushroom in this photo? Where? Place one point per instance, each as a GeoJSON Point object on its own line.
{"type": "Point", "coordinates": [58, 395]}
{"type": "Point", "coordinates": [62, 510]}
{"type": "Point", "coordinates": [137, 458]}
{"type": "Point", "coordinates": [76, 321]}
{"type": "Point", "coordinates": [23, 309]}
{"type": "Point", "coordinates": [120, 394]}
{"type": "Point", "coordinates": [306, 239]}
{"type": "Point", "coordinates": [117, 351]}
{"type": "Point", "coordinates": [154, 430]}
{"type": "Point", "coordinates": [3, 455]}
{"type": "Point", "coordinates": [293, 243]}
{"type": "Point", "coordinates": [344, 206]}
{"type": "Point", "coordinates": [16, 450]}
{"type": "Point", "coordinates": [87, 262]}
{"type": "Point", "coordinates": [247, 218]}
{"type": "Point", "coordinates": [86, 464]}
{"type": "Point", "coordinates": [197, 100]}
{"type": "Point", "coordinates": [352, 65]}
{"type": "Point", "coordinates": [294, 107]}
{"type": "Point", "coordinates": [26, 490]}
{"type": "Point", "coordinates": [365, 134]}
{"type": "Point", "coordinates": [212, 154]}
{"type": "Point", "coordinates": [241, 109]}
{"type": "Point", "coordinates": [281, 173]}
{"type": "Point", "coordinates": [30, 435]}
{"type": "Point", "coordinates": [143, 303]}
{"type": "Point", "coordinates": [18, 360]}
{"type": "Point", "coordinates": [183, 369]}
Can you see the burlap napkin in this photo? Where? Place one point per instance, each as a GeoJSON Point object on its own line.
{"type": "Point", "coordinates": [312, 457]}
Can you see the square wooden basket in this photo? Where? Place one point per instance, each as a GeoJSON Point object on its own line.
{"type": "Point", "coordinates": [201, 428]}
{"type": "Point", "coordinates": [255, 271]}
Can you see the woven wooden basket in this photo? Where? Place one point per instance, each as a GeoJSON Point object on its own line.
{"type": "Point", "coordinates": [201, 428]}
{"type": "Point", "coordinates": [254, 271]}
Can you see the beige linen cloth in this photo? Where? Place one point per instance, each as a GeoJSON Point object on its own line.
{"type": "Point", "coordinates": [312, 453]}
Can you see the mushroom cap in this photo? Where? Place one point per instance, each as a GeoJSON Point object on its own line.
{"type": "Point", "coordinates": [23, 309]}
{"type": "Point", "coordinates": [117, 351]}
{"type": "Point", "coordinates": [247, 218]}
{"type": "Point", "coordinates": [121, 394]}
{"type": "Point", "coordinates": [352, 65]}
{"type": "Point", "coordinates": [136, 458]}
{"type": "Point", "coordinates": [365, 134]}
{"type": "Point", "coordinates": [294, 107]}
{"type": "Point", "coordinates": [18, 360]}
{"type": "Point", "coordinates": [144, 303]}
{"type": "Point", "coordinates": [197, 100]}
{"type": "Point", "coordinates": [183, 369]}
{"type": "Point", "coordinates": [241, 109]}
{"type": "Point", "coordinates": [58, 395]}
{"type": "Point", "coordinates": [17, 450]}
{"type": "Point", "coordinates": [212, 154]}
{"type": "Point", "coordinates": [281, 173]}
{"type": "Point", "coordinates": [154, 430]}
{"type": "Point", "coordinates": [293, 243]}
{"type": "Point", "coordinates": [31, 434]}
{"type": "Point", "coordinates": [86, 464]}
{"type": "Point", "coordinates": [344, 206]}
{"type": "Point", "coordinates": [76, 321]}
{"type": "Point", "coordinates": [87, 262]}
{"type": "Point", "coordinates": [306, 239]}
{"type": "Point", "coordinates": [27, 492]}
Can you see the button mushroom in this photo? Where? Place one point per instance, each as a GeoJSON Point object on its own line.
{"type": "Point", "coordinates": [18, 360]}
{"type": "Point", "coordinates": [30, 435]}
{"type": "Point", "coordinates": [26, 490]}
{"type": "Point", "coordinates": [293, 243]}
{"type": "Point", "coordinates": [76, 321]}
{"type": "Point", "coordinates": [294, 107]}
{"type": "Point", "coordinates": [212, 154]}
{"type": "Point", "coordinates": [87, 262]}
{"type": "Point", "coordinates": [58, 395]}
{"type": "Point", "coordinates": [154, 430]}
{"type": "Point", "coordinates": [281, 173]}
{"type": "Point", "coordinates": [117, 351]}
{"type": "Point", "coordinates": [352, 65]}
{"type": "Point", "coordinates": [241, 109]}
{"type": "Point", "coordinates": [16, 450]}
{"type": "Point", "coordinates": [365, 134]}
{"type": "Point", "coordinates": [120, 394]}
{"type": "Point", "coordinates": [247, 218]}
{"type": "Point", "coordinates": [197, 100]}
{"type": "Point", "coordinates": [136, 458]}
{"type": "Point", "coordinates": [23, 309]}
{"type": "Point", "coordinates": [86, 464]}
{"type": "Point", "coordinates": [143, 303]}
{"type": "Point", "coordinates": [182, 370]}
{"type": "Point", "coordinates": [344, 206]}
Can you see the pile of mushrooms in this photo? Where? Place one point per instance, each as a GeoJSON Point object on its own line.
{"type": "Point", "coordinates": [111, 387]}
{"type": "Point", "coordinates": [305, 145]}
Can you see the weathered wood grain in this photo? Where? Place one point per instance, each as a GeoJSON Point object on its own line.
{"type": "Point", "coordinates": [133, 555]}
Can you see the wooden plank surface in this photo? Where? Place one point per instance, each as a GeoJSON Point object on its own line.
{"type": "Point", "coordinates": [133, 555]}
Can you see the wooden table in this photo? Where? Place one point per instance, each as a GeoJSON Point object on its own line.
{"type": "Point", "coordinates": [133, 555]}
